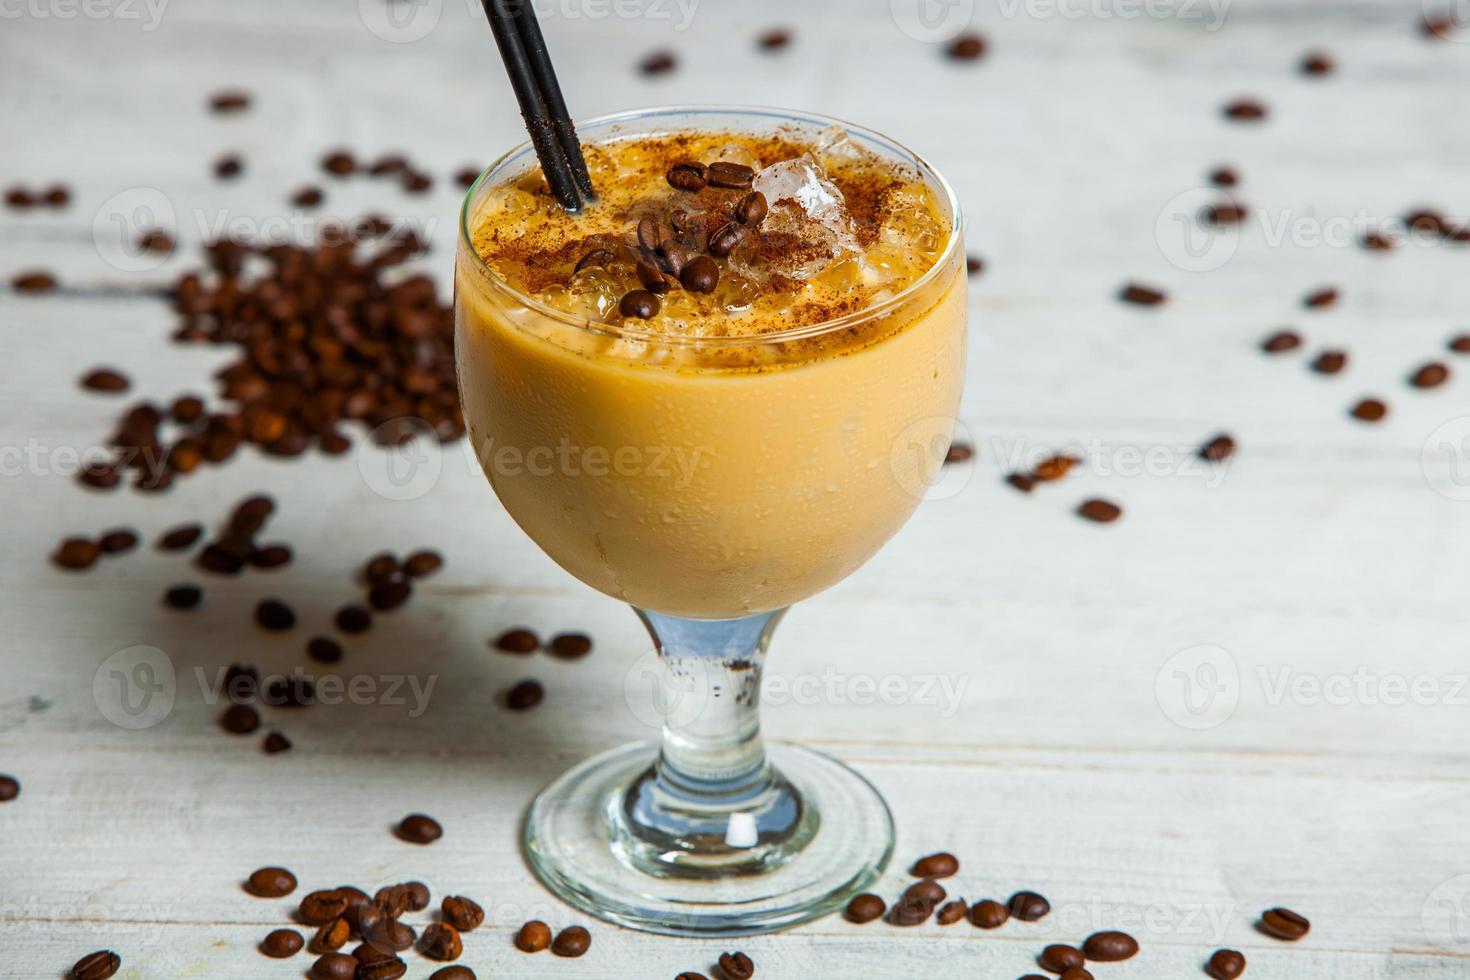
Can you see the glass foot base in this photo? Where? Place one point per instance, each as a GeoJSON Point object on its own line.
{"type": "Point", "coordinates": [578, 842]}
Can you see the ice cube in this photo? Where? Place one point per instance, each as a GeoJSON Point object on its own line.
{"type": "Point", "coordinates": [834, 146]}
{"type": "Point", "coordinates": [807, 229]}
{"type": "Point", "coordinates": [804, 181]}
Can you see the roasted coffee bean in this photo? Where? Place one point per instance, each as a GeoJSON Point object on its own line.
{"type": "Point", "coordinates": [966, 47]}
{"type": "Point", "coordinates": [275, 742]}
{"type": "Point", "coordinates": [97, 966]}
{"type": "Point", "coordinates": [1099, 511]}
{"type": "Point", "coordinates": [229, 100]}
{"type": "Point", "coordinates": [959, 452]}
{"type": "Point", "coordinates": [1054, 467]}
{"type": "Point", "coordinates": [1284, 924]}
{"type": "Point", "coordinates": [467, 176]}
{"type": "Point", "coordinates": [419, 828]}
{"type": "Point", "coordinates": [928, 890]}
{"type": "Point", "coordinates": [1316, 63]}
{"type": "Point", "coordinates": [989, 914]}
{"type": "Point", "coordinates": [691, 975]}
{"type": "Point", "coordinates": [1225, 964]}
{"type": "Point", "coordinates": [332, 936]}
{"type": "Point", "coordinates": [599, 257]}
{"type": "Point", "coordinates": [1076, 973]}
{"type": "Point", "coordinates": [105, 379]}
{"type": "Point", "coordinates": [1460, 343]}
{"type": "Point", "coordinates": [701, 275]}
{"type": "Point", "coordinates": [9, 788]}
{"type": "Point", "coordinates": [324, 650]}
{"type": "Point", "coordinates": [1224, 177]}
{"type": "Point", "coordinates": [909, 910]}
{"type": "Point", "coordinates": [732, 176]}
{"type": "Point", "coordinates": [571, 941]}
{"type": "Point", "coordinates": [1439, 26]}
{"type": "Point", "coordinates": [387, 596]}
{"type": "Point", "coordinates": [974, 265]}
{"type": "Point", "coordinates": [353, 619]}
{"type": "Point", "coordinates": [520, 641]}
{"type": "Point", "coordinates": [654, 279]}
{"type": "Point", "coordinates": [462, 913]}
{"type": "Point", "coordinates": [228, 166]}
{"type": "Point", "coordinates": [270, 882]}
{"type": "Point", "coordinates": [442, 942]}
{"type": "Point", "coordinates": [57, 196]}
{"type": "Point", "coordinates": [639, 304]}
{"type": "Point", "coordinates": [339, 163]}
{"type": "Point", "coordinates": [308, 197]}
{"type": "Point", "coordinates": [1281, 340]}
{"type": "Point", "coordinates": [1224, 213]}
{"type": "Point", "coordinates": [321, 907]}
{"type": "Point", "coordinates": [658, 63]}
{"type": "Point", "coordinates": [380, 568]}
{"type": "Point", "coordinates": [653, 234]}
{"type": "Point", "coordinates": [387, 933]}
{"type": "Point", "coordinates": [156, 240]}
{"type": "Point", "coordinates": [407, 896]}
{"type": "Point", "coordinates": [241, 684]}
{"type": "Point", "coordinates": [334, 966]}
{"type": "Point", "coordinates": [33, 282]}
{"type": "Point", "coordinates": [1431, 375]}
{"type": "Point", "coordinates": [688, 176]}
{"type": "Point", "coordinates": [524, 696]}
{"type": "Point", "coordinates": [453, 973]}
{"type": "Point", "coordinates": [1028, 906]}
{"type": "Point", "coordinates": [752, 209]}
{"type": "Point", "coordinates": [1320, 298]}
{"type": "Point", "coordinates": [1378, 241]}
{"type": "Point", "coordinates": [1141, 295]}
{"type": "Point", "coordinates": [117, 541]}
{"type": "Point", "coordinates": [270, 556]}
{"type": "Point", "coordinates": [865, 908]}
{"type": "Point", "coordinates": [1023, 482]}
{"type": "Point", "coordinates": [98, 474]}
{"type": "Point", "coordinates": [1330, 362]}
{"type": "Point", "coordinates": [239, 719]}
{"type": "Point", "coordinates": [392, 163]}
{"type": "Point", "coordinates": [19, 198]}
{"type": "Point", "coordinates": [951, 912]}
{"type": "Point", "coordinates": [570, 646]}
{"type": "Point", "coordinates": [275, 615]}
{"type": "Point", "coordinates": [1370, 410]}
{"type": "Point", "coordinates": [1109, 947]}
{"type": "Point", "coordinates": [1058, 958]}
{"type": "Point", "coordinates": [736, 966]}
{"type": "Point", "coordinates": [727, 238]}
{"type": "Point", "coordinates": [183, 596]}
{"type": "Point", "coordinates": [1245, 109]}
{"type": "Point", "coordinates": [416, 182]}
{"type": "Point", "coordinates": [76, 554]}
{"type": "Point", "coordinates": [281, 943]}
{"type": "Point", "coordinates": [774, 39]}
{"type": "Point", "coordinates": [533, 937]}
{"type": "Point", "coordinates": [940, 865]}
{"type": "Point", "coordinates": [1220, 448]}
{"type": "Point", "coordinates": [421, 563]}
{"type": "Point", "coordinates": [386, 969]}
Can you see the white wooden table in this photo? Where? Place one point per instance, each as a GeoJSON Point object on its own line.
{"type": "Point", "coordinates": [1067, 760]}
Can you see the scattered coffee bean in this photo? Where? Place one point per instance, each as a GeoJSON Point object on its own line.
{"type": "Point", "coordinates": [270, 556]}
{"type": "Point", "coordinates": [524, 696]}
{"type": "Point", "coordinates": [533, 937]}
{"type": "Point", "coordinates": [117, 541]}
{"type": "Point", "coordinates": [1224, 177]}
{"type": "Point", "coordinates": [658, 63]}
{"type": "Point", "coordinates": [419, 828]}
{"type": "Point", "coordinates": [639, 304]}
{"type": "Point", "coordinates": [951, 912]}
{"type": "Point", "coordinates": [241, 683]}
{"type": "Point", "coordinates": [324, 650]}
{"type": "Point", "coordinates": [9, 788]}
{"type": "Point", "coordinates": [275, 743]}
{"type": "Point", "coordinates": [688, 176]}
{"type": "Point", "coordinates": [1317, 63]}
{"type": "Point", "coordinates": [1100, 511]}
{"type": "Point", "coordinates": [334, 966]}
{"type": "Point", "coordinates": [390, 968]}
{"type": "Point", "coordinates": [1330, 362]}
{"type": "Point", "coordinates": [77, 553]}
{"type": "Point", "coordinates": [959, 452]}
{"type": "Point", "coordinates": [386, 933]}
{"type": "Point", "coordinates": [453, 973]}
{"type": "Point", "coordinates": [281, 943]}
{"type": "Point", "coordinates": [156, 240]}
{"type": "Point", "coordinates": [1245, 109]}
{"type": "Point", "coordinates": [909, 910]}
{"type": "Point", "coordinates": [1058, 958]}
{"type": "Point", "coordinates": [414, 895]}
{"type": "Point", "coordinates": [228, 166]}
{"type": "Point", "coordinates": [775, 39]}
{"type": "Point", "coordinates": [736, 966]}
{"type": "Point", "coordinates": [570, 646]}
{"type": "Point", "coordinates": [229, 100]}
{"type": "Point", "coordinates": [323, 906]}
{"type": "Point", "coordinates": [1317, 299]}
{"type": "Point", "coordinates": [422, 563]}
{"type": "Point", "coordinates": [1109, 946]}
{"type": "Point", "coordinates": [691, 975]}
{"type": "Point", "coordinates": [520, 641]}
{"type": "Point", "coordinates": [928, 891]}
{"type": "Point", "coordinates": [416, 182]}
{"type": "Point", "coordinates": [1370, 410]}
{"type": "Point", "coordinates": [752, 209]}
{"type": "Point", "coordinates": [939, 865]}
{"type": "Point", "coordinates": [966, 47]}
{"type": "Point", "coordinates": [974, 265]}
{"type": "Point", "coordinates": [1225, 964]}
{"type": "Point", "coordinates": [97, 966]}
{"type": "Point", "coordinates": [1439, 26]}
{"type": "Point", "coordinates": [353, 619]}
{"type": "Point", "coordinates": [380, 568]}
{"type": "Point", "coordinates": [865, 908]}
{"type": "Point", "coordinates": [1220, 448]}
{"type": "Point", "coordinates": [308, 197]}
{"type": "Point", "coordinates": [332, 936]}
{"type": "Point", "coordinates": [732, 176]}
{"type": "Point", "coordinates": [275, 615]}
{"type": "Point", "coordinates": [1023, 482]}
{"type": "Point", "coordinates": [1028, 906]}
{"type": "Point", "coordinates": [19, 198]}
{"type": "Point", "coordinates": [183, 596]}
{"type": "Point", "coordinates": [33, 282]}
{"type": "Point", "coordinates": [387, 596]}
{"type": "Point", "coordinates": [726, 238]}
{"type": "Point", "coordinates": [239, 719]}
{"type": "Point", "coordinates": [571, 941]}
{"type": "Point", "coordinates": [442, 942]}
{"type": "Point", "coordinates": [1431, 375]}
{"type": "Point", "coordinates": [1378, 241]}
{"type": "Point", "coordinates": [990, 914]}
{"type": "Point", "coordinates": [1284, 924]}
{"type": "Point", "coordinates": [105, 379]}
{"type": "Point", "coordinates": [1076, 973]}
{"type": "Point", "coordinates": [1141, 295]}
{"type": "Point", "coordinates": [1224, 213]}
{"type": "Point", "coordinates": [467, 176]}
{"type": "Point", "coordinates": [387, 165]}
{"type": "Point", "coordinates": [654, 279]}
{"type": "Point", "coordinates": [462, 913]}
{"type": "Point", "coordinates": [1054, 467]}
{"type": "Point", "coordinates": [339, 163]}
{"type": "Point", "coordinates": [701, 275]}
{"type": "Point", "coordinates": [1281, 340]}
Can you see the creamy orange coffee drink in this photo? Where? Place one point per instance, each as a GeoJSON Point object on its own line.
{"type": "Point", "coordinates": [698, 395]}
{"type": "Point", "coordinates": [714, 389]}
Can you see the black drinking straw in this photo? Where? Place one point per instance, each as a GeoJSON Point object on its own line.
{"type": "Point", "coordinates": [523, 50]}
